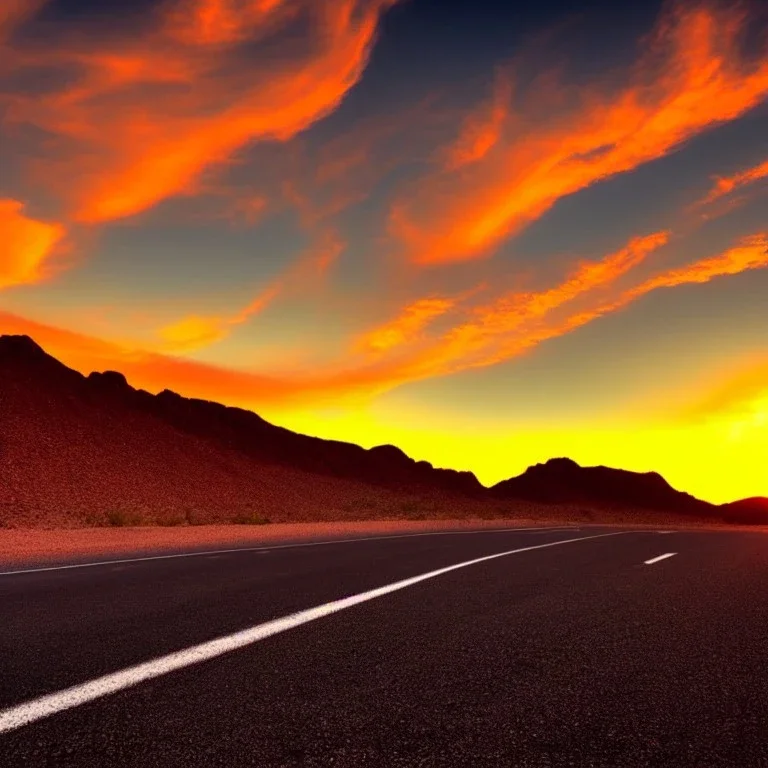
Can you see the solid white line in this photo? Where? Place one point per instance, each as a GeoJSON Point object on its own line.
{"type": "Point", "coordinates": [263, 548]}
{"type": "Point", "coordinates": [660, 557]}
{"type": "Point", "coordinates": [52, 703]}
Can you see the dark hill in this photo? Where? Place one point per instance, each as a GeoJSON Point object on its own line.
{"type": "Point", "coordinates": [752, 511]}
{"type": "Point", "coordinates": [563, 481]}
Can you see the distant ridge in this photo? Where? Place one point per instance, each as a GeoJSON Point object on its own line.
{"type": "Point", "coordinates": [73, 446]}
{"type": "Point", "coordinates": [562, 480]}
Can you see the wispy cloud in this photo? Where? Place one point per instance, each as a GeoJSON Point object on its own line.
{"type": "Point", "coordinates": [143, 117]}
{"type": "Point", "coordinates": [727, 185]}
{"type": "Point", "coordinates": [28, 245]}
{"type": "Point", "coordinates": [483, 129]}
{"type": "Point", "coordinates": [516, 309]}
{"type": "Point", "coordinates": [406, 328]}
{"type": "Point", "coordinates": [193, 332]}
{"type": "Point", "coordinates": [222, 22]}
{"type": "Point", "coordinates": [751, 253]}
{"type": "Point", "coordinates": [692, 75]}
{"type": "Point", "coordinates": [516, 322]}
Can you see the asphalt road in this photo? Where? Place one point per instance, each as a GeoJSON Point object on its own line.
{"type": "Point", "coordinates": [571, 654]}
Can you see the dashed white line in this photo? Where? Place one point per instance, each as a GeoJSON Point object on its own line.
{"type": "Point", "coordinates": [660, 557]}
{"type": "Point", "coordinates": [262, 548]}
{"type": "Point", "coordinates": [50, 704]}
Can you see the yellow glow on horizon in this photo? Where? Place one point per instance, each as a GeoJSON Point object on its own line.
{"type": "Point", "coordinates": [713, 460]}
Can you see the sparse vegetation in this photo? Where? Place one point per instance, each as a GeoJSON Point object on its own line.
{"type": "Point", "coordinates": [361, 506]}
{"type": "Point", "coordinates": [413, 510]}
{"type": "Point", "coordinates": [492, 514]}
{"type": "Point", "coordinates": [121, 518]}
{"type": "Point", "coordinates": [193, 516]}
{"type": "Point", "coordinates": [250, 518]}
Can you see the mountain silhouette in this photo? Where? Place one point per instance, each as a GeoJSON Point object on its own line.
{"type": "Point", "coordinates": [562, 480]}
{"type": "Point", "coordinates": [76, 449]}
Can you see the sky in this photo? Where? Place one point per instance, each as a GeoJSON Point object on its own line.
{"type": "Point", "coordinates": [490, 233]}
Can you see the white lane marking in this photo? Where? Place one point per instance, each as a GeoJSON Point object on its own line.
{"type": "Point", "coordinates": [660, 557]}
{"type": "Point", "coordinates": [52, 703]}
{"type": "Point", "coordinates": [276, 546]}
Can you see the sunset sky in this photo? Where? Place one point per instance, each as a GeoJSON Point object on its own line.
{"type": "Point", "coordinates": [490, 233]}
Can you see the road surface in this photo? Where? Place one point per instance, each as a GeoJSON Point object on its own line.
{"type": "Point", "coordinates": [555, 647]}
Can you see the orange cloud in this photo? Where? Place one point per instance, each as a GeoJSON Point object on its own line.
{"type": "Point", "coordinates": [147, 116]}
{"type": "Point", "coordinates": [219, 22]}
{"type": "Point", "coordinates": [482, 130]}
{"type": "Point", "coordinates": [27, 245]}
{"type": "Point", "coordinates": [725, 185]}
{"type": "Point", "coordinates": [751, 253]}
{"type": "Point", "coordinates": [406, 327]}
{"type": "Point", "coordinates": [694, 76]}
{"type": "Point", "coordinates": [509, 312]}
{"type": "Point", "coordinates": [195, 331]}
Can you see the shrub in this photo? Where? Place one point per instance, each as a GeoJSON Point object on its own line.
{"type": "Point", "coordinates": [121, 518]}
{"type": "Point", "coordinates": [250, 518]}
{"type": "Point", "coordinates": [413, 510]}
{"type": "Point", "coordinates": [92, 520]}
{"type": "Point", "coordinates": [193, 516]}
